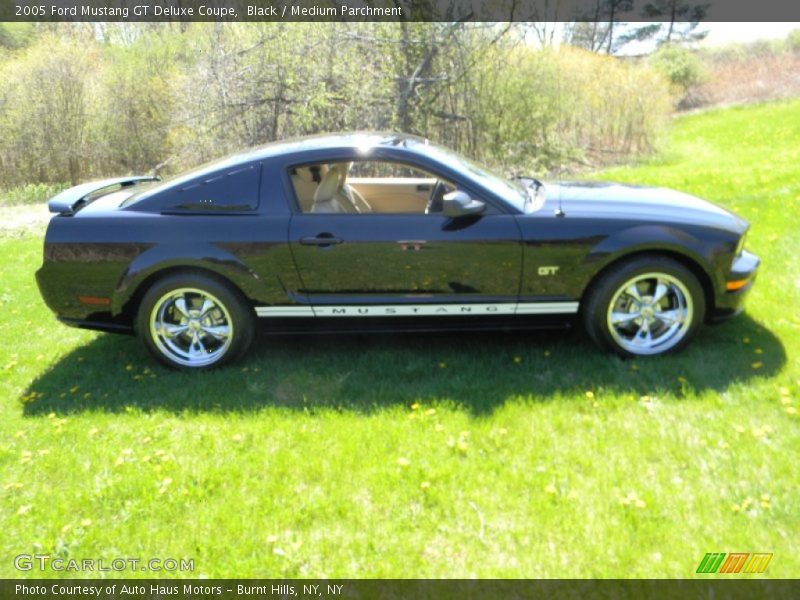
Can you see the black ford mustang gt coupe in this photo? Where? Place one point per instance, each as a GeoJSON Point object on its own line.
{"type": "Point", "coordinates": [384, 232]}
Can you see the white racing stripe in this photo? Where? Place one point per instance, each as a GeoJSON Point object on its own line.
{"type": "Point", "coordinates": [420, 310]}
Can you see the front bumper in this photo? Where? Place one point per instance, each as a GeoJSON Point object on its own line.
{"type": "Point", "coordinates": [742, 276]}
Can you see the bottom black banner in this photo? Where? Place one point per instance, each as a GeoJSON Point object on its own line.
{"type": "Point", "coordinates": [347, 589]}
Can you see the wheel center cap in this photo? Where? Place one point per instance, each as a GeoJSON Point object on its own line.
{"type": "Point", "coordinates": [194, 325]}
{"type": "Point", "coordinates": [647, 312]}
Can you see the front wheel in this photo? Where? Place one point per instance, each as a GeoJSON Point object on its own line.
{"type": "Point", "coordinates": [192, 321]}
{"type": "Point", "coordinates": [648, 306]}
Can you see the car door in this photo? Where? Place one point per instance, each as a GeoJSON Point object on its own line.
{"type": "Point", "coordinates": [406, 263]}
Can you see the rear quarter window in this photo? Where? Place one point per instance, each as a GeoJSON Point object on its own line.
{"type": "Point", "coordinates": [231, 189]}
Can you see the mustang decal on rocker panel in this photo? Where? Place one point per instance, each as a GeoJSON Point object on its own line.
{"type": "Point", "coordinates": [386, 232]}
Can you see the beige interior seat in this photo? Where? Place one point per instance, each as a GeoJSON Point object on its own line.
{"type": "Point", "coordinates": [331, 195]}
{"type": "Point", "coordinates": [326, 196]}
{"type": "Point", "coordinates": [306, 182]}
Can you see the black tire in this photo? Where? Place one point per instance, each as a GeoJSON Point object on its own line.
{"type": "Point", "coordinates": [217, 336]}
{"type": "Point", "coordinates": [597, 314]}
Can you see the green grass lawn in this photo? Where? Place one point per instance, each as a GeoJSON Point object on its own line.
{"type": "Point", "coordinates": [471, 455]}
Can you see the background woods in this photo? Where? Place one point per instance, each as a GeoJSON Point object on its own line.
{"type": "Point", "coordinates": [87, 100]}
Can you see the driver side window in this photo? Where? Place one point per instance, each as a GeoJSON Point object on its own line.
{"type": "Point", "coordinates": [368, 186]}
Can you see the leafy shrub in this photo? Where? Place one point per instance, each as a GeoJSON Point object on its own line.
{"type": "Point", "coordinates": [793, 40]}
{"type": "Point", "coordinates": [32, 193]}
{"type": "Point", "coordinates": [680, 66]}
{"type": "Point", "coordinates": [545, 110]}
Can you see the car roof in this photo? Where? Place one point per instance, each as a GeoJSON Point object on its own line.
{"type": "Point", "coordinates": [328, 141]}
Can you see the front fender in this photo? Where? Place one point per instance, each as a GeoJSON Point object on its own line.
{"type": "Point", "coordinates": [707, 253]}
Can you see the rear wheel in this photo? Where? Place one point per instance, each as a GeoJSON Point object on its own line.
{"type": "Point", "coordinates": [648, 306]}
{"type": "Point", "coordinates": [193, 321]}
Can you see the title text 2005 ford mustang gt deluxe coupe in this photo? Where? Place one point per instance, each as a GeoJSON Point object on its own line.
{"type": "Point", "coordinates": [386, 232]}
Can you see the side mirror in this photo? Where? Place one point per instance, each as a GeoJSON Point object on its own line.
{"type": "Point", "coordinates": [459, 204]}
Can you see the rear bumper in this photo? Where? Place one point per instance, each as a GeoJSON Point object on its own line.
{"type": "Point", "coordinates": [742, 276]}
{"type": "Point", "coordinates": [98, 323]}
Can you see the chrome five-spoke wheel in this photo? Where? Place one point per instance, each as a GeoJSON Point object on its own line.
{"type": "Point", "coordinates": [194, 321]}
{"type": "Point", "coordinates": [644, 306]}
{"type": "Point", "coordinates": [650, 313]}
{"type": "Point", "coordinates": [192, 326]}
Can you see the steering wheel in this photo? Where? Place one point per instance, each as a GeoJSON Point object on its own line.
{"type": "Point", "coordinates": [436, 200]}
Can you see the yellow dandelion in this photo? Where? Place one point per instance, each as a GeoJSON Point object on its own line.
{"type": "Point", "coordinates": [119, 461]}
{"type": "Point", "coordinates": [425, 485]}
{"type": "Point", "coordinates": [595, 404]}
{"type": "Point", "coordinates": [551, 489]}
{"type": "Point", "coordinates": [430, 412]}
{"type": "Point", "coordinates": [640, 503]}
{"type": "Point", "coordinates": [786, 401]}
{"type": "Point", "coordinates": [415, 406]}
{"type": "Point", "coordinates": [765, 504]}
{"type": "Point", "coordinates": [462, 446]}
{"type": "Point", "coordinates": [739, 429]}
{"type": "Point", "coordinates": [86, 522]}
{"type": "Point", "coordinates": [758, 351]}
{"type": "Point", "coordinates": [590, 394]}
{"type": "Point", "coordinates": [439, 427]}
{"type": "Point", "coordinates": [93, 431]}
{"type": "Point", "coordinates": [517, 359]}
{"type": "Point", "coordinates": [784, 391]}
{"type": "Point", "coordinates": [757, 365]}
{"type": "Point", "coordinates": [53, 415]}
{"type": "Point", "coordinates": [502, 431]}
{"type": "Point", "coordinates": [24, 509]}
{"type": "Point", "coordinates": [74, 389]}
{"type": "Point", "coordinates": [736, 508]}
{"type": "Point", "coordinates": [403, 462]}
{"type": "Point", "coordinates": [791, 410]}
{"type": "Point", "coordinates": [129, 367]}
{"type": "Point", "coordinates": [746, 340]}
{"type": "Point", "coordinates": [237, 437]}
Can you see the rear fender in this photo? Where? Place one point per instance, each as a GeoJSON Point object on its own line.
{"type": "Point", "coordinates": [206, 257]}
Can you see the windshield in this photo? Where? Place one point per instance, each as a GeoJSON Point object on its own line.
{"type": "Point", "coordinates": [513, 192]}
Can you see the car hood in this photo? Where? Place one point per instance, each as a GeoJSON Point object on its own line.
{"type": "Point", "coordinates": [615, 200]}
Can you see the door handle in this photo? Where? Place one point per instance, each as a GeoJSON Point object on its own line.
{"type": "Point", "coordinates": [322, 240]}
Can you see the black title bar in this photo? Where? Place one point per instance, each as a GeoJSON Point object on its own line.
{"type": "Point", "coordinates": [398, 10]}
